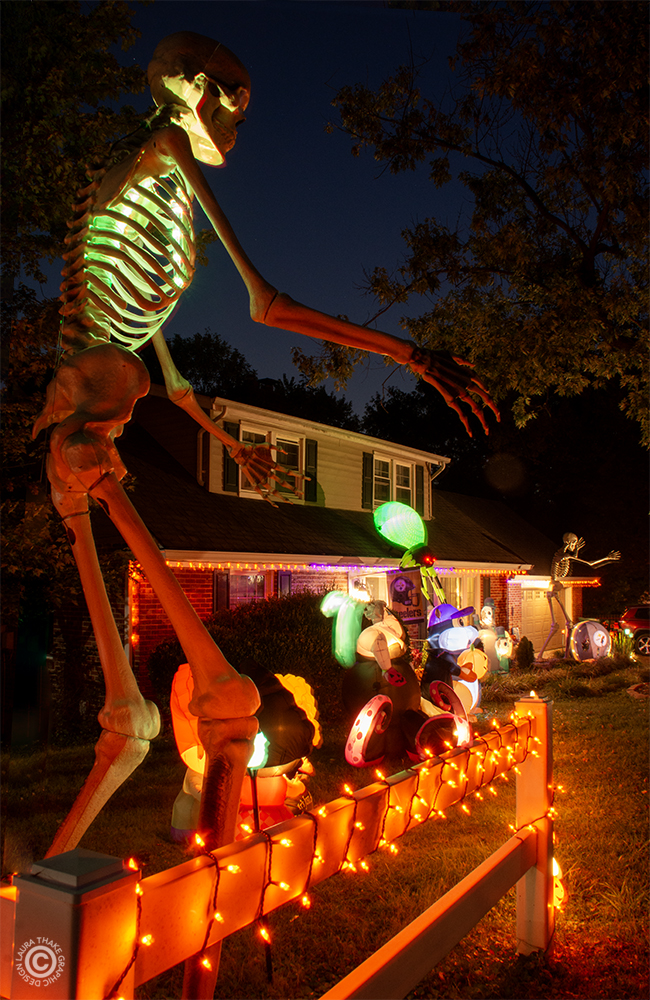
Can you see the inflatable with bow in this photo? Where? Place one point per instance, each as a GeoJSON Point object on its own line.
{"type": "Point", "coordinates": [274, 788]}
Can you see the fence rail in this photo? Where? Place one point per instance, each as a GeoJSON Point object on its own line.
{"type": "Point", "coordinates": [186, 910]}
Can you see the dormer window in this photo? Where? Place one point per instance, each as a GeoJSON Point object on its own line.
{"type": "Point", "coordinates": [403, 480]}
{"type": "Point", "coordinates": [386, 479]}
{"type": "Point", "coordinates": [297, 454]}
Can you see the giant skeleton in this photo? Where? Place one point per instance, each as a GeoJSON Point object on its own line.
{"type": "Point", "coordinates": [131, 254]}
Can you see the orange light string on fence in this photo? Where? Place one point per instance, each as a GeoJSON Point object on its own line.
{"type": "Point", "coordinates": [485, 768]}
{"type": "Point", "coordinates": [213, 914]}
{"type": "Point", "coordinates": [261, 919]}
{"type": "Point", "coordinates": [346, 864]}
{"type": "Point", "coordinates": [136, 947]}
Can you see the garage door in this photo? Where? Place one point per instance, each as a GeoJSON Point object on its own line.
{"type": "Point", "coordinates": [536, 620]}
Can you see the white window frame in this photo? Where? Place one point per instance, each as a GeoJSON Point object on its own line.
{"type": "Point", "coordinates": [271, 437]}
{"type": "Point", "coordinates": [402, 465]}
{"type": "Point", "coordinates": [393, 464]}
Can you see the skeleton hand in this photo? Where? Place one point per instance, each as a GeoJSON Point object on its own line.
{"type": "Point", "coordinates": [263, 472]}
{"type": "Point", "coordinates": [444, 372]}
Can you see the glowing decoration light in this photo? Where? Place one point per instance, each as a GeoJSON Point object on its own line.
{"type": "Point", "coordinates": [346, 630]}
{"type": "Point", "coordinates": [400, 525]}
{"type": "Point", "coordinates": [260, 752]}
{"type": "Point", "coordinates": [590, 641]}
{"type": "Point", "coordinates": [559, 891]}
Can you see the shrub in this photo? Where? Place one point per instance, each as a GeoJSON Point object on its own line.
{"type": "Point", "coordinates": [623, 644]}
{"type": "Point", "coordinates": [288, 635]}
{"type": "Point", "coordinates": [524, 654]}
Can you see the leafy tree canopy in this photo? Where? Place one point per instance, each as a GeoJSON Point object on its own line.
{"type": "Point", "coordinates": [542, 283]}
{"type": "Point", "coordinates": [58, 77]}
{"type": "Point", "coordinates": [577, 467]}
{"type": "Point", "coordinates": [214, 368]}
{"type": "Point", "coordinates": [59, 85]}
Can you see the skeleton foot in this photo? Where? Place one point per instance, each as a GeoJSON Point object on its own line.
{"type": "Point", "coordinates": [116, 757]}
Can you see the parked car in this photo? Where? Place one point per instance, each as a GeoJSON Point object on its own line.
{"type": "Point", "coordinates": [637, 621]}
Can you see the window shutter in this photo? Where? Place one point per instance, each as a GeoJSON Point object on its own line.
{"type": "Point", "coordinates": [367, 481]}
{"type": "Point", "coordinates": [311, 470]}
{"type": "Point", "coordinates": [419, 489]}
{"type": "Point", "coordinates": [221, 596]}
{"type": "Point", "coordinates": [230, 468]}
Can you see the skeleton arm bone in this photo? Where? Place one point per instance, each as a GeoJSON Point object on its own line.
{"type": "Point", "coordinates": [256, 461]}
{"type": "Point", "coordinates": [612, 556]}
{"type": "Point", "coordinates": [279, 310]}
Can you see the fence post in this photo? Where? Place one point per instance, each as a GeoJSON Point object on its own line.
{"type": "Point", "coordinates": [535, 914]}
{"type": "Point", "coordinates": [75, 928]}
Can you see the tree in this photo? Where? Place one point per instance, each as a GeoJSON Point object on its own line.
{"type": "Point", "coordinates": [214, 368]}
{"type": "Point", "coordinates": [543, 283]}
{"type": "Point", "coordinates": [576, 467]}
{"type": "Point", "coordinates": [58, 76]}
{"type": "Point", "coordinates": [59, 82]}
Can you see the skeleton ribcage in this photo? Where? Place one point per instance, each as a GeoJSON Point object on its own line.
{"type": "Point", "coordinates": [131, 262]}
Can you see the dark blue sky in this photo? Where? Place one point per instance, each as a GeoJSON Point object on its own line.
{"type": "Point", "coordinates": [311, 216]}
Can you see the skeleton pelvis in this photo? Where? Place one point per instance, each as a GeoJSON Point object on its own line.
{"type": "Point", "coordinates": [91, 397]}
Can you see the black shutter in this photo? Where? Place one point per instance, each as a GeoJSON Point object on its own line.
{"type": "Point", "coordinates": [419, 489]}
{"type": "Point", "coordinates": [230, 467]}
{"type": "Point", "coordinates": [367, 481]}
{"type": "Point", "coordinates": [311, 470]}
{"type": "Point", "coordinates": [221, 599]}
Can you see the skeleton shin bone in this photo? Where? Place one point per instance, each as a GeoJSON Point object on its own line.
{"type": "Point", "coordinates": [93, 396]}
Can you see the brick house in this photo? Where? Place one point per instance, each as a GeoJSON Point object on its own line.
{"type": "Point", "coordinates": [227, 546]}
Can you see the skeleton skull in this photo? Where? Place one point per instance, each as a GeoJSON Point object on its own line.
{"type": "Point", "coordinates": [571, 542]}
{"type": "Point", "coordinates": [208, 85]}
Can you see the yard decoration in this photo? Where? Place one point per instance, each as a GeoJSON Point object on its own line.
{"type": "Point", "coordinates": [496, 640]}
{"type": "Point", "coordinates": [455, 656]}
{"type": "Point", "coordinates": [189, 909]}
{"type": "Point", "coordinates": [131, 256]}
{"type": "Point", "coordinates": [381, 691]}
{"type": "Point", "coordinates": [402, 526]}
{"type": "Point", "coordinates": [274, 786]}
{"type": "Point", "coordinates": [586, 640]}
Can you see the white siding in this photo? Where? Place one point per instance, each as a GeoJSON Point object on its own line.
{"type": "Point", "coordinates": [340, 454]}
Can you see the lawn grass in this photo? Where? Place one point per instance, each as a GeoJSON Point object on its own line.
{"type": "Point", "coordinates": [600, 947]}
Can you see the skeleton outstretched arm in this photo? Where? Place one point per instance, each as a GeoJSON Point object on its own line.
{"type": "Point", "coordinates": [449, 375]}
{"type": "Point", "coordinates": [612, 556]}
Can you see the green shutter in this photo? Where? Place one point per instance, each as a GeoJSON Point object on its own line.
{"type": "Point", "coordinates": [419, 489]}
{"type": "Point", "coordinates": [221, 599]}
{"type": "Point", "coordinates": [230, 467]}
{"type": "Point", "coordinates": [367, 481]}
{"type": "Point", "coordinates": [311, 470]}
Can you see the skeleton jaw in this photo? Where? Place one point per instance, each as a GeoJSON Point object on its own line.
{"type": "Point", "coordinates": [209, 113]}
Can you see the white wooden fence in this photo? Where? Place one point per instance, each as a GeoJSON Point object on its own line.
{"type": "Point", "coordinates": [124, 932]}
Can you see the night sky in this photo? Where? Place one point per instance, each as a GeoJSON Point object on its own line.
{"type": "Point", "coordinates": [312, 217]}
